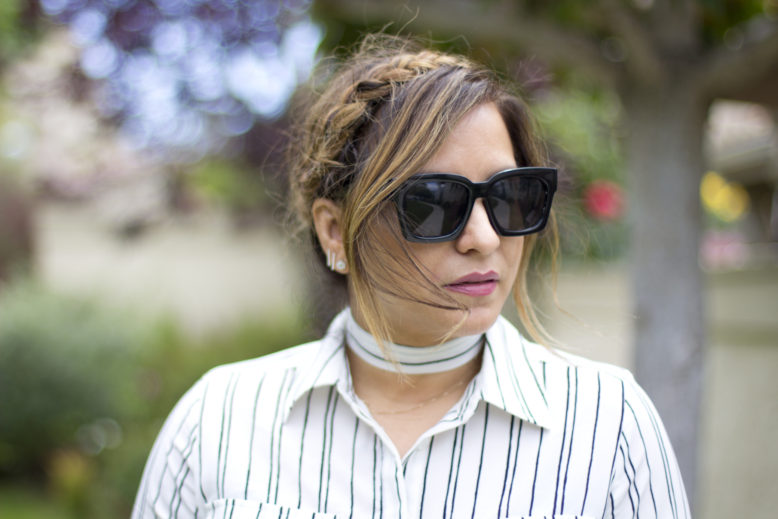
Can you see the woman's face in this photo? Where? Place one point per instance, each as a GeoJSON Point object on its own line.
{"type": "Point", "coordinates": [479, 267]}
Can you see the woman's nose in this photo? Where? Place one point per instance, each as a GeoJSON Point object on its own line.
{"type": "Point", "coordinates": [478, 233]}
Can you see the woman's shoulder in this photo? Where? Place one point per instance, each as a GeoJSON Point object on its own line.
{"type": "Point", "coordinates": [605, 390]}
{"type": "Point", "coordinates": [553, 357]}
{"type": "Point", "coordinates": [557, 378]}
{"type": "Point", "coordinates": [292, 358]}
{"type": "Point", "coordinates": [284, 373]}
{"type": "Point", "coordinates": [613, 387]}
{"type": "Point", "coordinates": [561, 368]}
{"type": "Point", "coordinates": [585, 365]}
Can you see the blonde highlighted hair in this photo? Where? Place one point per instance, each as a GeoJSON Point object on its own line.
{"type": "Point", "coordinates": [380, 117]}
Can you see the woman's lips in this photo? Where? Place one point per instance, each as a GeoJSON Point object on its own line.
{"type": "Point", "coordinates": [475, 284]}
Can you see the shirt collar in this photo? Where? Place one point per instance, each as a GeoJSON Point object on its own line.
{"type": "Point", "coordinates": [512, 372]}
{"type": "Point", "coordinates": [328, 367]}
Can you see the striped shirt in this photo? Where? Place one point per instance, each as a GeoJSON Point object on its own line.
{"type": "Point", "coordinates": [536, 434]}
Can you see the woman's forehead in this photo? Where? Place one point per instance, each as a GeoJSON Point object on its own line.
{"type": "Point", "coordinates": [477, 147]}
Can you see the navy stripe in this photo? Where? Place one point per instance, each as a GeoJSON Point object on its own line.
{"type": "Point", "coordinates": [229, 430]}
{"type": "Point", "coordinates": [594, 439]}
{"type": "Point", "coordinates": [181, 478]}
{"type": "Point", "coordinates": [168, 453]}
{"type": "Point", "coordinates": [629, 479]}
{"type": "Point", "coordinates": [426, 473]}
{"type": "Point", "coordinates": [618, 435]}
{"type": "Point", "coordinates": [497, 374]}
{"type": "Point", "coordinates": [647, 458]}
{"type": "Point", "coordinates": [665, 458]}
{"type": "Point", "coordinates": [634, 473]}
{"type": "Point", "coordinates": [222, 446]}
{"type": "Point", "coordinates": [375, 469]}
{"type": "Point", "coordinates": [251, 439]}
{"type": "Point", "coordinates": [450, 469]}
{"type": "Point", "coordinates": [353, 458]}
{"type": "Point", "coordinates": [535, 477]}
{"type": "Point", "coordinates": [330, 395]}
{"type": "Point", "coordinates": [562, 450]}
{"type": "Point", "coordinates": [507, 466]}
{"type": "Point", "coordinates": [200, 442]}
{"type": "Point", "coordinates": [570, 443]}
{"type": "Point", "coordinates": [515, 463]}
{"type": "Point", "coordinates": [302, 449]}
{"type": "Point", "coordinates": [329, 450]}
{"type": "Point", "coordinates": [541, 390]}
{"type": "Point", "coordinates": [279, 431]}
{"type": "Point", "coordinates": [516, 382]}
{"type": "Point", "coordinates": [481, 461]}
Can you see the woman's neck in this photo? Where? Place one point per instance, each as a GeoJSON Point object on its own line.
{"type": "Point", "coordinates": [411, 360]}
{"type": "Point", "coordinates": [405, 405]}
{"type": "Point", "coordinates": [409, 389]}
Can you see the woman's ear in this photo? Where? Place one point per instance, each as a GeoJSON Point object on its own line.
{"type": "Point", "coordinates": [327, 222]}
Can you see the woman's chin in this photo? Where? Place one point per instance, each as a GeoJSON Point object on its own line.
{"type": "Point", "coordinates": [478, 322]}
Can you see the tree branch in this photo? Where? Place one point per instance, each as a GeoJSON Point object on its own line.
{"type": "Point", "coordinates": [643, 63]}
{"type": "Point", "coordinates": [530, 34]}
{"type": "Point", "coordinates": [675, 25]}
{"type": "Point", "coordinates": [725, 72]}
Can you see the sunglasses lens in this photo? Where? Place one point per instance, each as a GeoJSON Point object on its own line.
{"type": "Point", "coordinates": [517, 202]}
{"type": "Point", "coordinates": [434, 208]}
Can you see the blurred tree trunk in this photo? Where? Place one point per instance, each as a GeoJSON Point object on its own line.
{"type": "Point", "coordinates": [20, 24]}
{"type": "Point", "coordinates": [16, 231]}
{"type": "Point", "coordinates": [664, 142]}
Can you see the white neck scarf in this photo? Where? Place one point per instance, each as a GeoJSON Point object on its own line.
{"type": "Point", "coordinates": [411, 360]}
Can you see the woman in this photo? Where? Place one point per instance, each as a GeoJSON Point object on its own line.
{"type": "Point", "coordinates": [419, 175]}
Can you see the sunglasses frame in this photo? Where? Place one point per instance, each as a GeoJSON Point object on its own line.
{"type": "Point", "coordinates": [476, 190]}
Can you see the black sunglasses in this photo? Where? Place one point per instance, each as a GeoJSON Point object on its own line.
{"type": "Point", "coordinates": [436, 206]}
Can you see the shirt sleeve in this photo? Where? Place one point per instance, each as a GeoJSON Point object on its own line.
{"type": "Point", "coordinates": [645, 481]}
{"type": "Point", "coordinates": [170, 485]}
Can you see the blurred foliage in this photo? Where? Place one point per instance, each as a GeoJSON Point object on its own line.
{"type": "Point", "coordinates": [60, 367]}
{"type": "Point", "coordinates": [24, 502]}
{"type": "Point", "coordinates": [228, 183]}
{"type": "Point", "coordinates": [721, 18]}
{"type": "Point", "coordinates": [86, 388]}
{"type": "Point", "coordinates": [581, 128]}
{"type": "Point", "coordinates": [186, 77]}
{"type": "Point", "coordinates": [19, 26]}
{"type": "Point", "coordinates": [717, 22]}
{"type": "Point", "coordinates": [717, 17]}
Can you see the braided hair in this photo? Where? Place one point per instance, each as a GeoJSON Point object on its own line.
{"type": "Point", "coordinates": [380, 117]}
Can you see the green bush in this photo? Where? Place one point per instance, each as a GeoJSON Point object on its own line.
{"type": "Point", "coordinates": [84, 390]}
{"type": "Point", "coordinates": [582, 127]}
{"type": "Point", "coordinates": [65, 376]}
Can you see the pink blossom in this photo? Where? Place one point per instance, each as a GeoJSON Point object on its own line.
{"type": "Point", "coordinates": [604, 200]}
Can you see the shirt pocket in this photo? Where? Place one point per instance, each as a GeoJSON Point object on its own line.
{"type": "Point", "coordinates": [242, 509]}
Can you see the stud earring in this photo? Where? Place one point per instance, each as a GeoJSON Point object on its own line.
{"type": "Point", "coordinates": [334, 264]}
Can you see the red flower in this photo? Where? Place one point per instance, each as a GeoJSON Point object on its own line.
{"type": "Point", "coordinates": [604, 200]}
